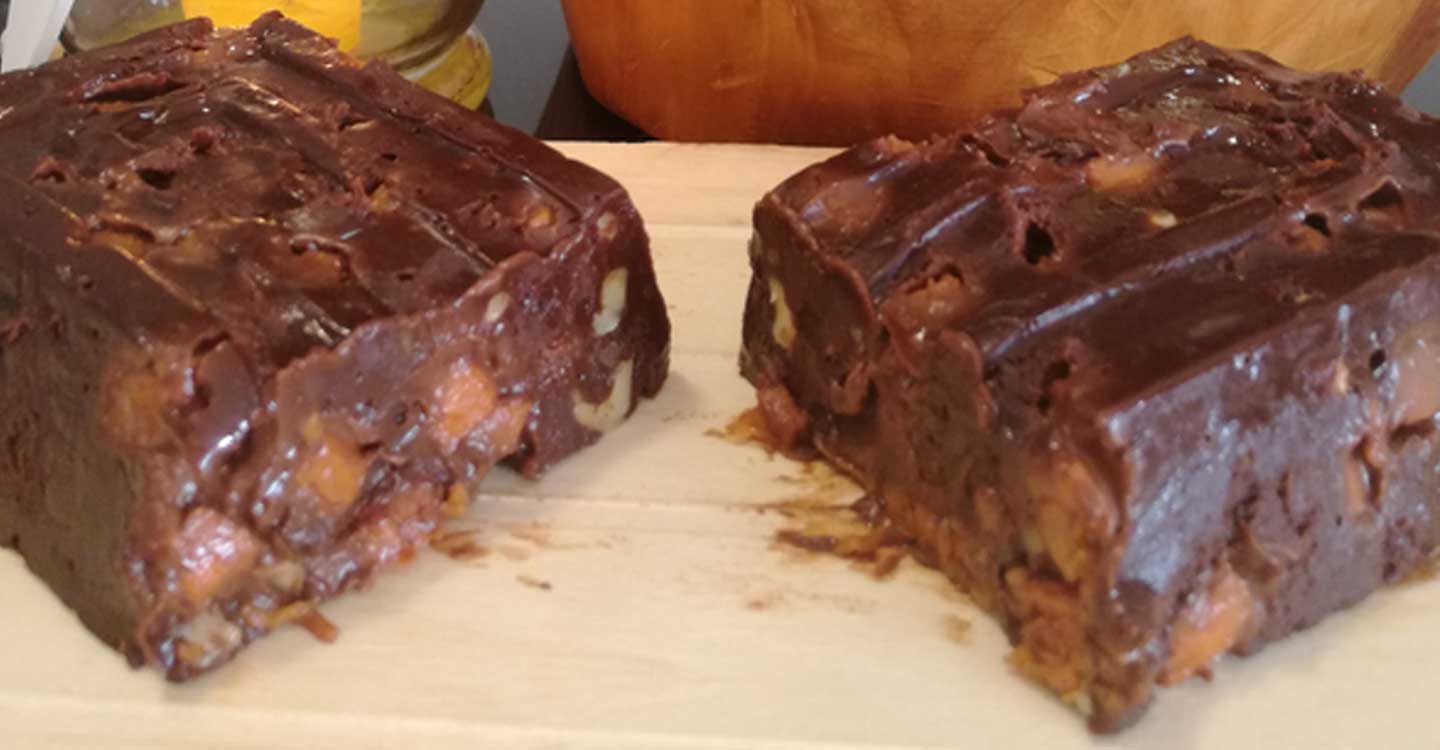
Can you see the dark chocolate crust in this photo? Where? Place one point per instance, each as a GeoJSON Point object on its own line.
{"type": "Point", "coordinates": [268, 314]}
{"type": "Point", "coordinates": [1148, 365]}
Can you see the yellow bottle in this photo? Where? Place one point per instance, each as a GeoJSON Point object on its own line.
{"type": "Point", "coordinates": [334, 18]}
{"type": "Point", "coordinates": [429, 41]}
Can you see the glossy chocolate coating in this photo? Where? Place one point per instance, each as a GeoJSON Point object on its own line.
{"type": "Point", "coordinates": [269, 312]}
{"type": "Point", "coordinates": [1148, 365]}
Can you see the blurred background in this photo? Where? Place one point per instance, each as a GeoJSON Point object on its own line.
{"type": "Point", "coordinates": [537, 87]}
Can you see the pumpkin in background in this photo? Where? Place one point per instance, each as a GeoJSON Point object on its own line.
{"type": "Point", "coordinates": [838, 71]}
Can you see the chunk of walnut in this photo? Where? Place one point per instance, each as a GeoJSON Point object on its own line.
{"type": "Point", "coordinates": [496, 307]}
{"type": "Point", "coordinates": [1072, 509]}
{"type": "Point", "coordinates": [609, 226]}
{"type": "Point", "coordinates": [206, 639]}
{"type": "Point", "coordinates": [1121, 172]}
{"type": "Point", "coordinates": [610, 413]}
{"type": "Point", "coordinates": [613, 292]}
{"type": "Point", "coordinates": [783, 327]}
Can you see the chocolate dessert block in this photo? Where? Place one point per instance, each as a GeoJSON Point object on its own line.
{"type": "Point", "coordinates": [267, 315]}
{"type": "Point", "coordinates": [1149, 365]}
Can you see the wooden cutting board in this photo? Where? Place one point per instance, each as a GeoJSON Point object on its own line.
{"type": "Point", "coordinates": [633, 598]}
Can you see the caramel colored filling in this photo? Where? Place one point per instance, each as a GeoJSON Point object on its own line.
{"type": "Point", "coordinates": [1208, 626]}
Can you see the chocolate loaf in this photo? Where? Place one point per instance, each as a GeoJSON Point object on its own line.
{"type": "Point", "coordinates": [267, 314]}
{"type": "Point", "coordinates": [1149, 366]}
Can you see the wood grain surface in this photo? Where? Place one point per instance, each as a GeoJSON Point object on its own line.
{"type": "Point", "coordinates": [634, 598]}
{"type": "Point", "coordinates": [836, 72]}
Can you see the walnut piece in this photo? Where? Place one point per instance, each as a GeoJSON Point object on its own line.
{"type": "Point", "coordinates": [1073, 511]}
{"type": "Point", "coordinates": [496, 307]}
{"type": "Point", "coordinates": [783, 329]}
{"type": "Point", "coordinates": [1115, 173]}
{"type": "Point", "coordinates": [608, 414]}
{"type": "Point", "coordinates": [613, 291]}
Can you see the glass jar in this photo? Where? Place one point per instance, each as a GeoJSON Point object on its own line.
{"type": "Point", "coordinates": [429, 41]}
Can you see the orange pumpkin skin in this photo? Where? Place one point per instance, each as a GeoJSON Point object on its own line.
{"type": "Point", "coordinates": [837, 71]}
